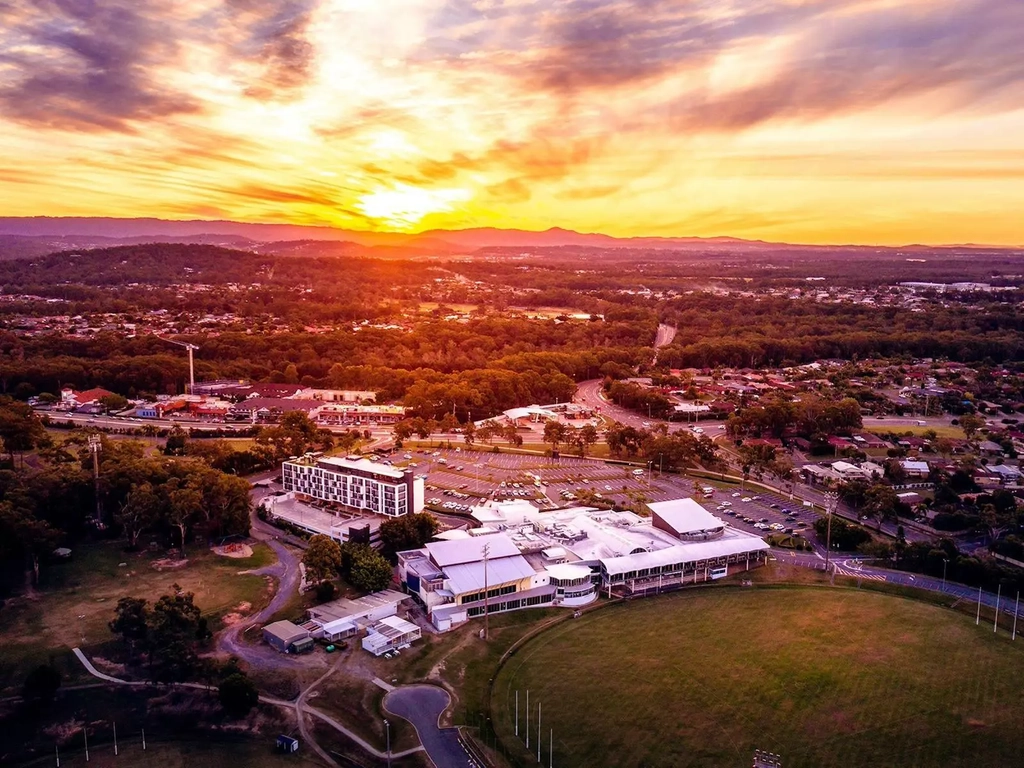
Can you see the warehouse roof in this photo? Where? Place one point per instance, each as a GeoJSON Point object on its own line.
{"type": "Point", "coordinates": [685, 516]}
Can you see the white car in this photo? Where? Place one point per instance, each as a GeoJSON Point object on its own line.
{"type": "Point", "coordinates": [726, 503]}
{"type": "Point", "coordinates": [746, 498]}
{"type": "Point", "coordinates": [736, 495]}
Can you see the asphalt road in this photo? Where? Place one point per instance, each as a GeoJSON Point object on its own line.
{"type": "Point", "coordinates": [286, 572]}
{"type": "Point", "coordinates": [423, 705]}
{"type": "Point", "coordinates": [589, 393]}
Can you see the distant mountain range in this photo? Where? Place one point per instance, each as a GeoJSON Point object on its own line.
{"type": "Point", "coordinates": [20, 237]}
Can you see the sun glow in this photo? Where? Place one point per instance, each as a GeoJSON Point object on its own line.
{"type": "Point", "coordinates": [403, 206]}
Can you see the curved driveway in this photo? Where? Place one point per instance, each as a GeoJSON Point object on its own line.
{"type": "Point", "coordinates": [423, 705]}
{"type": "Point", "coordinates": [286, 571]}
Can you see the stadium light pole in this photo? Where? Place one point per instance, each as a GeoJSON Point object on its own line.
{"type": "Point", "coordinates": [830, 508]}
{"type": "Point", "coordinates": [995, 621]}
{"type": "Point", "coordinates": [487, 553]}
{"type": "Point", "coordinates": [977, 619]}
{"type": "Point", "coordinates": [387, 730]}
{"type": "Point", "coordinates": [527, 718]}
{"type": "Point", "coordinates": [517, 712]}
{"type": "Point", "coordinates": [1016, 610]}
{"type": "Point", "coordinates": [538, 732]}
{"type": "Point", "coordinates": [945, 562]}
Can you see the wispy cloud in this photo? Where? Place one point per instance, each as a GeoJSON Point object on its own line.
{"type": "Point", "coordinates": [628, 116]}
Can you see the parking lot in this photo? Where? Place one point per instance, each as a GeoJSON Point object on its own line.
{"type": "Point", "coordinates": [761, 512]}
{"type": "Point", "coordinates": [457, 478]}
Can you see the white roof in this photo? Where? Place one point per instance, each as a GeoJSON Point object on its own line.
{"type": "Point", "coordinates": [685, 516]}
{"type": "Point", "coordinates": [684, 553]}
{"type": "Point", "coordinates": [454, 534]}
{"type": "Point", "coordinates": [446, 553]}
{"type": "Point", "coordinates": [553, 552]}
{"type": "Point", "coordinates": [363, 465]}
{"type": "Point", "coordinates": [397, 623]}
{"type": "Point", "coordinates": [568, 571]}
{"type": "Point", "coordinates": [469, 577]}
{"type": "Point", "coordinates": [915, 466]}
{"type": "Point", "coordinates": [845, 466]}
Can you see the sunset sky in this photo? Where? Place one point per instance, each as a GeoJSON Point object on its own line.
{"type": "Point", "coordinates": [825, 121]}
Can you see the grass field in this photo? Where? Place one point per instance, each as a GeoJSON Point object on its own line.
{"type": "Point", "coordinates": [77, 599]}
{"type": "Point", "coordinates": [953, 433]}
{"type": "Point", "coordinates": [184, 754]}
{"type": "Point", "coordinates": [823, 677]}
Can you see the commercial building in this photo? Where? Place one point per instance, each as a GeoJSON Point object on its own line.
{"type": "Point", "coordinates": [339, 619]}
{"type": "Point", "coordinates": [355, 414]}
{"type": "Point", "coordinates": [355, 485]}
{"type": "Point", "coordinates": [563, 557]}
{"type": "Point", "coordinates": [456, 579]}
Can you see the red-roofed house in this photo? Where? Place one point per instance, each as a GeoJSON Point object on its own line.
{"type": "Point", "coordinates": [70, 400]}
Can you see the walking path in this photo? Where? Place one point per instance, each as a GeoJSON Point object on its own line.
{"type": "Point", "coordinates": [365, 745]}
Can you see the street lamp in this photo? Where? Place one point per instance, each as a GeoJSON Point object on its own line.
{"type": "Point", "coordinates": [387, 730]}
{"type": "Point", "coordinates": [945, 562]}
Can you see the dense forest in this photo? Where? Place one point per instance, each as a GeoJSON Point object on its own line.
{"type": "Point", "coordinates": [358, 323]}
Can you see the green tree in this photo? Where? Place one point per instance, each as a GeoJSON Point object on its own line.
{"type": "Point", "coordinates": [140, 509]}
{"type": "Point", "coordinates": [237, 694]}
{"type": "Point", "coordinates": [322, 559]}
{"type": "Point", "coordinates": [880, 503]}
{"type": "Point", "coordinates": [131, 621]}
{"type": "Point", "coordinates": [176, 625]}
{"type": "Point", "coordinates": [177, 442]}
{"type": "Point", "coordinates": [407, 532]}
{"type": "Point", "coordinates": [184, 504]}
{"type": "Point", "coordinates": [370, 570]}
{"type": "Point", "coordinates": [970, 423]}
{"type": "Point", "coordinates": [555, 433]}
{"type": "Point", "coordinates": [20, 428]}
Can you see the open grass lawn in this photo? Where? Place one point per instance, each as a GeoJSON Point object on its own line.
{"type": "Point", "coordinates": [77, 599]}
{"type": "Point", "coordinates": [204, 753]}
{"type": "Point", "coordinates": [823, 677]}
{"type": "Point", "coordinates": [953, 433]}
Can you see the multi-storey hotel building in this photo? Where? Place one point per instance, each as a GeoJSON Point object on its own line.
{"type": "Point", "coordinates": [359, 485]}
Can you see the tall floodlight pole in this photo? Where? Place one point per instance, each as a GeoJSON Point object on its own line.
{"type": "Point", "coordinates": [486, 554]}
{"type": "Point", "coordinates": [977, 619]}
{"type": "Point", "coordinates": [387, 729]}
{"type": "Point", "coordinates": [945, 562]}
{"type": "Point", "coordinates": [538, 731]}
{"type": "Point", "coordinates": [527, 718]}
{"type": "Point", "coordinates": [1016, 610]}
{"type": "Point", "coordinates": [95, 446]}
{"type": "Point", "coordinates": [551, 748]}
{"type": "Point", "coordinates": [115, 737]}
{"type": "Point", "coordinates": [517, 712]}
{"type": "Point", "coordinates": [995, 621]}
{"type": "Point", "coordinates": [830, 508]}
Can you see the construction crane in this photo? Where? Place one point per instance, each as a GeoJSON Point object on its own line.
{"type": "Point", "coordinates": [191, 367]}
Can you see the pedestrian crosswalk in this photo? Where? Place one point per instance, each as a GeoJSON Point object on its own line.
{"type": "Point", "coordinates": [856, 574]}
